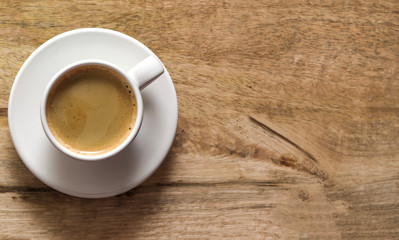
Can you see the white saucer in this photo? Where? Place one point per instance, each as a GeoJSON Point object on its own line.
{"type": "Point", "coordinates": [90, 179]}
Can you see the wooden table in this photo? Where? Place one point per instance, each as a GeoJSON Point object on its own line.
{"type": "Point", "coordinates": [288, 122]}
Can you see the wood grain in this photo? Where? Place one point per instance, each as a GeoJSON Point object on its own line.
{"type": "Point", "coordinates": [288, 122]}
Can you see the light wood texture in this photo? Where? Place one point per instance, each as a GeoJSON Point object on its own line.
{"type": "Point", "coordinates": [288, 122]}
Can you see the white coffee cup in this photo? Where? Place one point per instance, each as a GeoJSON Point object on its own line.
{"type": "Point", "coordinates": [138, 77]}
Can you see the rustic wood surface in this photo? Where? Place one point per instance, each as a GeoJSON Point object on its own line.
{"type": "Point", "coordinates": [288, 122]}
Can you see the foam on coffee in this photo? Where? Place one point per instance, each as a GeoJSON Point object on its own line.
{"type": "Point", "coordinates": [91, 110]}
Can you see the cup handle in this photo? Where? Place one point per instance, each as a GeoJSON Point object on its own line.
{"type": "Point", "coordinates": [146, 71]}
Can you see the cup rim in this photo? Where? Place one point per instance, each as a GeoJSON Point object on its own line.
{"type": "Point", "coordinates": [120, 147]}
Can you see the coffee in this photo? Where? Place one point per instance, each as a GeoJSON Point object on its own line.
{"type": "Point", "coordinates": [91, 110]}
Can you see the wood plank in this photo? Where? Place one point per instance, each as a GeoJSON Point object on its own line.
{"type": "Point", "coordinates": [211, 211]}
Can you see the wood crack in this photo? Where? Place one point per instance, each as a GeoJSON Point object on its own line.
{"type": "Point", "coordinates": [263, 126]}
{"type": "Point", "coordinates": [214, 184]}
{"type": "Point", "coordinates": [15, 189]}
{"type": "Point", "coordinates": [290, 161]}
{"type": "Point", "coordinates": [19, 189]}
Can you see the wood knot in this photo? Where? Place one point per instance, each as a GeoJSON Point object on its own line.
{"type": "Point", "coordinates": [304, 196]}
{"type": "Point", "coordinates": [288, 161]}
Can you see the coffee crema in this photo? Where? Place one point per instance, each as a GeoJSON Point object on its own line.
{"type": "Point", "coordinates": [91, 110]}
